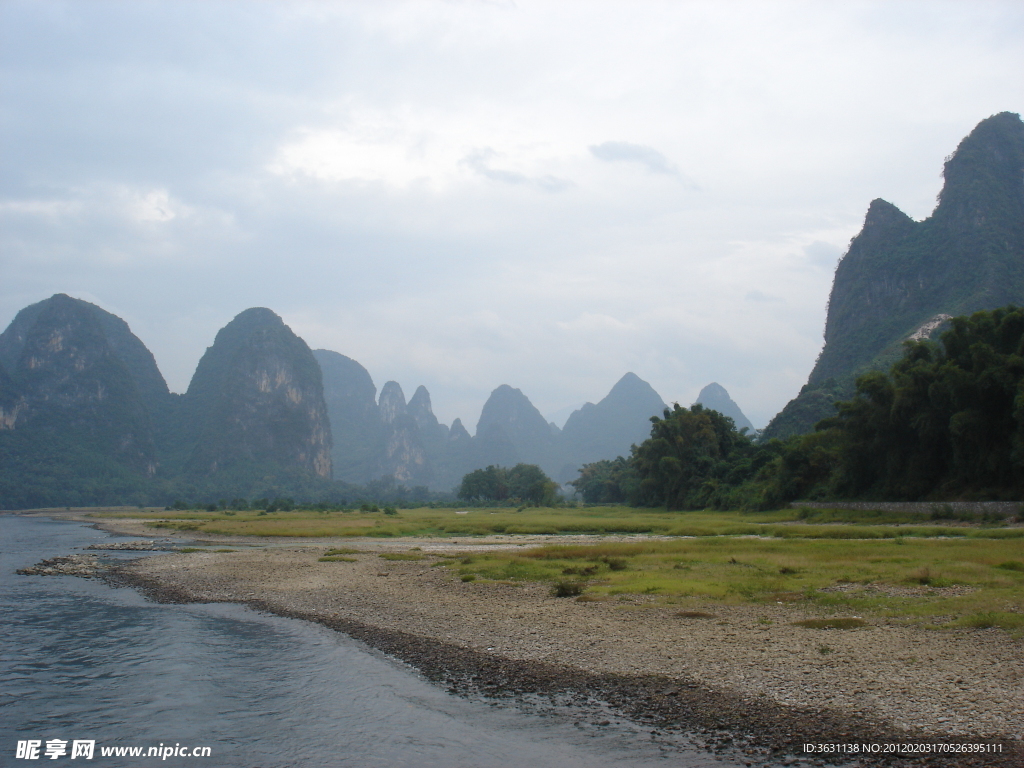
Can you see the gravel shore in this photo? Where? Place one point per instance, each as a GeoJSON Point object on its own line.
{"type": "Point", "coordinates": [743, 678]}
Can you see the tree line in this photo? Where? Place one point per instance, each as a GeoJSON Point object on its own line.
{"type": "Point", "coordinates": [945, 422]}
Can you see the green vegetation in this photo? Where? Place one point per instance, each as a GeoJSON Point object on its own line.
{"type": "Point", "coordinates": [946, 422]}
{"type": "Point", "coordinates": [844, 623]}
{"type": "Point", "coordinates": [900, 567]}
{"type": "Point", "coordinates": [801, 523]}
{"type": "Point", "coordinates": [853, 578]}
{"type": "Point", "coordinates": [899, 274]}
{"type": "Point", "coordinates": [524, 483]}
{"type": "Point", "coordinates": [568, 589]}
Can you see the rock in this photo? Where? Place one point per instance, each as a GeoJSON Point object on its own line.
{"type": "Point", "coordinates": [70, 565]}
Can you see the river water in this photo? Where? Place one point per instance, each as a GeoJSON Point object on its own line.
{"type": "Point", "coordinates": [80, 660]}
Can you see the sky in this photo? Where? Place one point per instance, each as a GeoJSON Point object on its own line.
{"type": "Point", "coordinates": [469, 194]}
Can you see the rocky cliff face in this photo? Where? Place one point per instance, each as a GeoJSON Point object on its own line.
{"type": "Point", "coordinates": [67, 387]}
{"type": "Point", "coordinates": [122, 343]}
{"type": "Point", "coordinates": [356, 427]}
{"type": "Point", "coordinates": [420, 409]}
{"type": "Point", "coordinates": [900, 274]}
{"type": "Point", "coordinates": [10, 401]}
{"type": "Point", "coordinates": [608, 428]}
{"type": "Point", "coordinates": [715, 397]}
{"type": "Point", "coordinates": [256, 401]}
{"type": "Point", "coordinates": [404, 457]}
{"type": "Point", "coordinates": [390, 438]}
{"type": "Point", "coordinates": [512, 430]}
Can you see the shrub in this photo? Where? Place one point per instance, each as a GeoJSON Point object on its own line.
{"type": "Point", "coordinates": [567, 589]}
{"type": "Point", "coordinates": [846, 623]}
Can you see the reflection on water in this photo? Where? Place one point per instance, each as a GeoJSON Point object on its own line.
{"type": "Point", "coordinates": [83, 661]}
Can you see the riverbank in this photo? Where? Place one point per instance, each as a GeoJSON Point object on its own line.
{"type": "Point", "coordinates": [742, 677]}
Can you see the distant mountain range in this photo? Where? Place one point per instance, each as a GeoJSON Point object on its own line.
{"type": "Point", "coordinates": [405, 441]}
{"type": "Point", "coordinates": [87, 418]}
{"type": "Point", "coordinates": [901, 279]}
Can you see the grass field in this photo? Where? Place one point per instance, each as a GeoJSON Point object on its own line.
{"type": "Point", "coordinates": [788, 523]}
{"type": "Point", "coordinates": [970, 582]}
{"type": "Point", "coordinates": [902, 567]}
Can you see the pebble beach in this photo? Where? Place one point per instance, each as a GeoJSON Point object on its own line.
{"type": "Point", "coordinates": [743, 675]}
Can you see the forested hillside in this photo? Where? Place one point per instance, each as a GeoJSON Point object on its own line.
{"type": "Point", "coordinates": [945, 423]}
{"type": "Point", "coordinates": [899, 277]}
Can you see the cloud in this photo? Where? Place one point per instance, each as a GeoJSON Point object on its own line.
{"type": "Point", "coordinates": [410, 183]}
{"type": "Point", "coordinates": [762, 297]}
{"type": "Point", "coordinates": [479, 161]}
{"type": "Point", "coordinates": [823, 255]}
{"type": "Point", "coordinates": [154, 205]}
{"type": "Point", "coordinates": [650, 158]}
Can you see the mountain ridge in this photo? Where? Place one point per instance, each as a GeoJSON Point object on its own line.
{"type": "Point", "coordinates": [899, 274]}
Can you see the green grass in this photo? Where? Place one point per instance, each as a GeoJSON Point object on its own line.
{"type": "Point", "coordinates": [905, 582]}
{"type": "Point", "coordinates": [337, 559]}
{"type": "Point", "coordinates": [785, 524]}
{"type": "Point", "coordinates": [1012, 622]}
{"type": "Point", "coordinates": [959, 575]}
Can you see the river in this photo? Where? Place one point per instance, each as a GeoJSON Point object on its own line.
{"type": "Point", "coordinates": [82, 661]}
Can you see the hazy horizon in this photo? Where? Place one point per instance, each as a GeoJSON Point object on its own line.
{"type": "Point", "coordinates": [464, 195]}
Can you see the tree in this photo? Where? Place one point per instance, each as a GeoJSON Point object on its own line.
{"type": "Point", "coordinates": [525, 482]}
{"type": "Point", "coordinates": [528, 482]}
{"type": "Point", "coordinates": [691, 458]}
{"type": "Point", "coordinates": [490, 484]}
{"type": "Point", "coordinates": [944, 421]}
{"type": "Point", "coordinates": [608, 482]}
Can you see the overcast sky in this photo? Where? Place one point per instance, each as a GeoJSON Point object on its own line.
{"type": "Point", "coordinates": [468, 194]}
